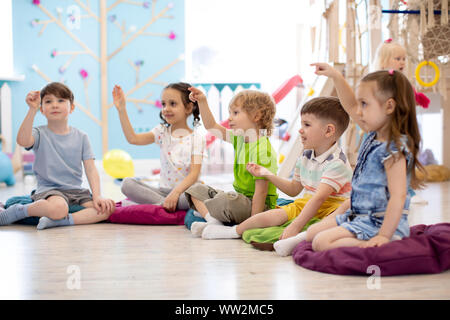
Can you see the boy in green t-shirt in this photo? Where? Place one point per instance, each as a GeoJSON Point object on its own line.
{"type": "Point", "coordinates": [251, 118]}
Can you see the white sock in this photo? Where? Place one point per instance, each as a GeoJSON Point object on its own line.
{"type": "Point", "coordinates": [215, 231]}
{"type": "Point", "coordinates": [197, 228]}
{"type": "Point", "coordinates": [284, 247]}
{"type": "Point", "coordinates": [197, 214]}
{"type": "Point", "coordinates": [211, 220]}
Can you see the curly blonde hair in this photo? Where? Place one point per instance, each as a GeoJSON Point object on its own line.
{"type": "Point", "coordinates": [253, 101]}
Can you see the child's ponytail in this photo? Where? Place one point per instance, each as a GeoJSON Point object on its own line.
{"type": "Point", "coordinates": [196, 115]}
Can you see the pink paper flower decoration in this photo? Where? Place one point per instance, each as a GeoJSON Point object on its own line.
{"type": "Point", "coordinates": [34, 22]}
{"type": "Point", "coordinates": [422, 100]}
{"type": "Point", "coordinates": [36, 2]}
{"type": "Point", "coordinates": [54, 53]}
{"type": "Point", "coordinates": [146, 4]}
{"type": "Point", "coordinates": [83, 74]}
{"type": "Point", "coordinates": [158, 104]}
{"type": "Point", "coordinates": [172, 35]}
{"type": "Point", "coordinates": [61, 70]}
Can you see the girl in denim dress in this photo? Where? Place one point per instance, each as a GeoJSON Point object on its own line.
{"type": "Point", "coordinates": [377, 212]}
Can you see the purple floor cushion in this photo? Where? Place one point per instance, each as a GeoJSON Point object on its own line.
{"type": "Point", "coordinates": [427, 250]}
{"type": "Point", "coordinates": [146, 214]}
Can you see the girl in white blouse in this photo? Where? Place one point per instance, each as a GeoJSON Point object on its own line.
{"type": "Point", "coordinates": [182, 148]}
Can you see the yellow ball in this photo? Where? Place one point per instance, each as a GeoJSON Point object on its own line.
{"type": "Point", "coordinates": [118, 164]}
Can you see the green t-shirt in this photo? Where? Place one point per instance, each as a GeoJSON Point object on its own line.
{"type": "Point", "coordinates": [259, 152]}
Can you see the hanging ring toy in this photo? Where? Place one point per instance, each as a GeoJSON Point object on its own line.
{"type": "Point", "coordinates": [436, 73]}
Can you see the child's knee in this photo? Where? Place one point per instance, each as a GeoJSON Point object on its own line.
{"type": "Point", "coordinates": [319, 243]}
{"type": "Point", "coordinates": [312, 231]}
{"type": "Point", "coordinates": [309, 234]}
{"type": "Point", "coordinates": [58, 211]}
{"type": "Point", "coordinates": [127, 184]}
{"type": "Point", "coordinates": [315, 244]}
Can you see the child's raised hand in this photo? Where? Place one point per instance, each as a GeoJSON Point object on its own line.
{"type": "Point", "coordinates": [119, 98]}
{"type": "Point", "coordinates": [257, 170]}
{"type": "Point", "coordinates": [196, 95]}
{"type": "Point", "coordinates": [324, 69]}
{"type": "Point", "coordinates": [33, 99]}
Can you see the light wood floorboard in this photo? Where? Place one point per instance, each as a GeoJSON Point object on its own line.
{"type": "Point", "coordinates": [165, 262]}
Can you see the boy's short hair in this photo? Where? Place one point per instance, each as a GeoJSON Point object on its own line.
{"type": "Point", "coordinates": [59, 90]}
{"type": "Point", "coordinates": [329, 109]}
{"type": "Point", "coordinates": [252, 101]}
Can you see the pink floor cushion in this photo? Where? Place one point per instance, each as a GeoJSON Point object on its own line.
{"type": "Point", "coordinates": [146, 214]}
{"type": "Point", "coordinates": [426, 250]}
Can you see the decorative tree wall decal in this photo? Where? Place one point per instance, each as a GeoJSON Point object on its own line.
{"type": "Point", "coordinates": [128, 36]}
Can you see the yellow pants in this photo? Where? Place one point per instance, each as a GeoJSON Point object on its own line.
{"type": "Point", "coordinates": [295, 208]}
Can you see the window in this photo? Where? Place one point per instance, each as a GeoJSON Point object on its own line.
{"type": "Point", "coordinates": [251, 41]}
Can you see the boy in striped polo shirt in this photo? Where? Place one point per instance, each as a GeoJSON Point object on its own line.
{"type": "Point", "coordinates": [322, 171]}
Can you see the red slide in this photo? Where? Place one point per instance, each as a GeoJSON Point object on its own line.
{"type": "Point", "coordinates": [278, 95]}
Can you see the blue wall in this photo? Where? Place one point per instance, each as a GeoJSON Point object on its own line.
{"type": "Point", "coordinates": [156, 52]}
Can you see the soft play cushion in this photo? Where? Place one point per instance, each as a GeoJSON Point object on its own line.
{"type": "Point", "coordinates": [190, 218]}
{"type": "Point", "coordinates": [427, 250]}
{"type": "Point", "coordinates": [146, 214]}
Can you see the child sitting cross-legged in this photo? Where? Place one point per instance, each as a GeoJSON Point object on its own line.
{"type": "Point", "coordinates": [251, 121]}
{"type": "Point", "coordinates": [61, 153]}
{"type": "Point", "coordinates": [322, 170]}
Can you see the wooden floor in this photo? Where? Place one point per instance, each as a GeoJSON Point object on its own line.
{"type": "Point", "coordinates": [111, 261]}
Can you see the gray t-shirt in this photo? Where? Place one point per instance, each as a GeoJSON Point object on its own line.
{"type": "Point", "coordinates": [58, 158]}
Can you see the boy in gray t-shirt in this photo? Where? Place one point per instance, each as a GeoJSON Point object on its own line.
{"type": "Point", "coordinates": [61, 152]}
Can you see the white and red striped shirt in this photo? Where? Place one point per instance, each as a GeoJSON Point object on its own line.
{"type": "Point", "coordinates": [331, 167]}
